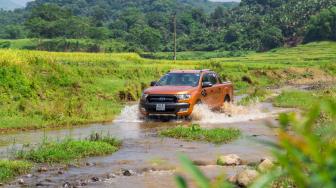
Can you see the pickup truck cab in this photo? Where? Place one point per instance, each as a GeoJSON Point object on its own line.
{"type": "Point", "coordinates": [177, 92]}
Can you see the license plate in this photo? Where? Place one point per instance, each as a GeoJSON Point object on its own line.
{"type": "Point", "coordinates": [160, 107]}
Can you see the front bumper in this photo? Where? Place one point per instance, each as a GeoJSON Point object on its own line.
{"type": "Point", "coordinates": [178, 109]}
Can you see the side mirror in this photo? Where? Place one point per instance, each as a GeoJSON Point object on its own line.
{"type": "Point", "coordinates": [153, 83]}
{"type": "Point", "coordinates": [206, 84]}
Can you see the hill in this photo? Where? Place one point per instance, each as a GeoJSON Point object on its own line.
{"type": "Point", "coordinates": [147, 25]}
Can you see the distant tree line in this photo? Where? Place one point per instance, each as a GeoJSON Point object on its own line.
{"type": "Point", "coordinates": [146, 25]}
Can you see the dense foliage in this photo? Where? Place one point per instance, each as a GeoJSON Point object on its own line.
{"type": "Point", "coordinates": [147, 25]}
{"type": "Point", "coordinates": [322, 26]}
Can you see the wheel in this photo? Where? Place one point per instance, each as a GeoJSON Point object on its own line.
{"type": "Point", "coordinates": [227, 99]}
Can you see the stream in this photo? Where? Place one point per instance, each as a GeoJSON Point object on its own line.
{"type": "Point", "coordinates": [146, 159]}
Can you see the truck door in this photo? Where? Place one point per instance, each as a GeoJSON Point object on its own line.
{"type": "Point", "coordinates": [218, 97]}
{"type": "Point", "coordinates": [209, 93]}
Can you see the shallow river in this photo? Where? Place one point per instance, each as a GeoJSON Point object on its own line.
{"type": "Point", "coordinates": [146, 159]}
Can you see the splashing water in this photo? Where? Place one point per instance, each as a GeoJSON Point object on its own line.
{"type": "Point", "coordinates": [130, 114]}
{"type": "Point", "coordinates": [231, 113]}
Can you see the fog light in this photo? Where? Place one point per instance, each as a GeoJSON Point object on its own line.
{"type": "Point", "coordinates": [184, 109]}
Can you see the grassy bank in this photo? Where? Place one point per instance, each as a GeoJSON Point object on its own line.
{"type": "Point", "coordinates": [52, 152]}
{"type": "Point", "coordinates": [49, 89]}
{"type": "Point", "coordinates": [11, 168]}
{"type": "Point", "coordinates": [195, 133]}
{"type": "Point", "coordinates": [304, 100]}
{"type": "Point", "coordinates": [68, 150]}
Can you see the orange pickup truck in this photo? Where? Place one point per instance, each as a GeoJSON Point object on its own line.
{"type": "Point", "coordinates": [177, 92]}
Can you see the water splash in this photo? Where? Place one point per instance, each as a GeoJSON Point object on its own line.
{"type": "Point", "coordinates": [231, 113]}
{"type": "Point", "coordinates": [130, 114]}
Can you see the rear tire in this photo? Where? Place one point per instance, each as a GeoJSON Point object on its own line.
{"type": "Point", "coordinates": [227, 99]}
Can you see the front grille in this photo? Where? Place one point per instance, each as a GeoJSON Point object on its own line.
{"type": "Point", "coordinates": [162, 99]}
{"type": "Point", "coordinates": [152, 109]}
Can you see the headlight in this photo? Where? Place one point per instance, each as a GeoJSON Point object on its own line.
{"type": "Point", "coordinates": [183, 96]}
{"type": "Point", "coordinates": [144, 96]}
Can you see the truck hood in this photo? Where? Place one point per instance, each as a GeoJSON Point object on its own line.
{"type": "Point", "coordinates": [169, 90]}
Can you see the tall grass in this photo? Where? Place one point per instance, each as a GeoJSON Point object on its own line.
{"type": "Point", "coordinates": [196, 133]}
{"type": "Point", "coordinates": [67, 150]}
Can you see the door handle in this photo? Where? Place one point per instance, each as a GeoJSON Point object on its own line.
{"type": "Point", "coordinates": [204, 93]}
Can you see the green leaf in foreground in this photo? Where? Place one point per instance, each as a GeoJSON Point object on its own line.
{"type": "Point", "coordinates": [197, 175]}
{"type": "Point", "coordinates": [217, 136]}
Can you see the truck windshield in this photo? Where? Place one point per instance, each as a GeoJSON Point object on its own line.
{"type": "Point", "coordinates": [179, 79]}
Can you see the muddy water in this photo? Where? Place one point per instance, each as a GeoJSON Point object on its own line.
{"type": "Point", "coordinates": [152, 160]}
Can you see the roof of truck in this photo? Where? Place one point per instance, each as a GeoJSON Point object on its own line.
{"type": "Point", "coordinates": [190, 71]}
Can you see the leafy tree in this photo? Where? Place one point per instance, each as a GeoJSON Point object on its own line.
{"type": "Point", "coordinates": [50, 21]}
{"type": "Point", "coordinates": [99, 33]}
{"type": "Point", "coordinates": [271, 38]}
{"type": "Point", "coordinates": [147, 37]}
{"type": "Point", "coordinates": [13, 32]}
{"type": "Point", "coordinates": [322, 26]}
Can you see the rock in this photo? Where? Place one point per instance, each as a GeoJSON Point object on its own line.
{"type": "Point", "coordinates": [246, 177]}
{"type": "Point", "coordinates": [232, 179]}
{"type": "Point", "coordinates": [126, 172]}
{"type": "Point", "coordinates": [265, 165]}
{"type": "Point", "coordinates": [48, 180]}
{"type": "Point", "coordinates": [109, 176]}
{"type": "Point", "coordinates": [83, 184]}
{"type": "Point", "coordinates": [66, 185]}
{"type": "Point", "coordinates": [80, 183]}
{"type": "Point", "coordinates": [21, 181]}
{"type": "Point", "coordinates": [95, 179]}
{"type": "Point", "coordinates": [60, 172]}
{"type": "Point", "coordinates": [42, 169]}
{"type": "Point", "coordinates": [90, 164]}
{"type": "Point", "coordinates": [39, 184]}
{"type": "Point", "coordinates": [229, 160]}
{"type": "Point", "coordinates": [29, 175]}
